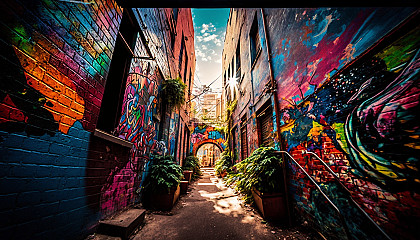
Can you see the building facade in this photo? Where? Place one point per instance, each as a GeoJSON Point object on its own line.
{"type": "Point", "coordinates": [80, 110]}
{"type": "Point", "coordinates": [342, 83]}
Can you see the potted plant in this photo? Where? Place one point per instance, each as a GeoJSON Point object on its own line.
{"type": "Point", "coordinates": [260, 179]}
{"type": "Point", "coordinates": [224, 164]}
{"type": "Point", "coordinates": [161, 186]}
{"type": "Point", "coordinates": [192, 168]}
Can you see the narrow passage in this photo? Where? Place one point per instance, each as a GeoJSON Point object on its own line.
{"type": "Point", "coordinates": [209, 211]}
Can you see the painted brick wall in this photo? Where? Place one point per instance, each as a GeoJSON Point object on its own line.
{"type": "Point", "coordinates": [203, 134]}
{"type": "Point", "coordinates": [165, 41]}
{"type": "Point", "coordinates": [348, 84]}
{"type": "Point", "coordinates": [54, 62]}
{"type": "Point", "coordinates": [58, 179]}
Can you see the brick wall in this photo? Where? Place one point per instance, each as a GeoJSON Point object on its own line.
{"type": "Point", "coordinates": [347, 84]}
{"type": "Point", "coordinates": [54, 62]}
{"type": "Point", "coordinates": [58, 178]}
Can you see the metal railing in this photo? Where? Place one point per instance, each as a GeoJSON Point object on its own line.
{"type": "Point", "coordinates": [348, 192]}
{"type": "Point", "coordinates": [342, 219]}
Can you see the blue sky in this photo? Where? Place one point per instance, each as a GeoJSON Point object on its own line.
{"type": "Point", "coordinates": [209, 28]}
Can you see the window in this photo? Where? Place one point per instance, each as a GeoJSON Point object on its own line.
{"type": "Point", "coordinates": [233, 68]}
{"type": "Point", "coordinates": [238, 60]}
{"type": "Point", "coordinates": [234, 139]}
{"type": "Point", "coordinates": [244, 139]}
{"type": "Point", "coordinates": [265, 125]}
{"type": "Point", "coordinates": [254, 37]}
{"type": "Point", "coordinates": [185, 67]}
{"type": "Point", "coordinates": [181, 53]}
{"type": "Point", "coordinates": [175, 14]}
{"type": "Point", "coordinates": [112, 100]}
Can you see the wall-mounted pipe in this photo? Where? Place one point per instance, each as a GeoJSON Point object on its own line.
{"type": "Point", "coordinates": [276, 111]}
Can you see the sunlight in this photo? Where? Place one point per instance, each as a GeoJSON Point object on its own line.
{"type": "Point", "coordinates": [232, 84]}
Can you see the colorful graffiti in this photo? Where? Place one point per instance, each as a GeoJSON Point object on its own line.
{"type": "Point", "coordinates": [202, 134]}
{"type": "Point", "coordinates": [54, 71]}
{"type": "Point", "coordinates": [140, 104]}
{"type": "Point", "coordinates": [363, 122]}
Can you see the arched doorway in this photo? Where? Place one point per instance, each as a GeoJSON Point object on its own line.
{"type": "Point", "coordinates": [208, 154]}
{"type": "Point", "coordinates": [204, 134]}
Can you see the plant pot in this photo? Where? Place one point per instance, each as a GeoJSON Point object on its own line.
{"type": "Point", "coordinates": [187, 175]}
{"type": "Point", "coordinates": [164, 201]}
{"type": "Point", "coordinates": [184, 186]}
{"type": "Point", "coordinates": [271, 205]}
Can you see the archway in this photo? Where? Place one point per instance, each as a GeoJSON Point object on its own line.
{"type": "Point", "coordinates": [202, 134]}
{"type": "Point", "coordinates": [208, 153]}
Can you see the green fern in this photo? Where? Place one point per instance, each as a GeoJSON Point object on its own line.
{"type": "Point", "coordinates": [262, 171]}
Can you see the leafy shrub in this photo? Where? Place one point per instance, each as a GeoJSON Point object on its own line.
{"type": "Point", "coordinates": [224, 163]}
{"type": "Point", "coordinates": [192, 163]}
{"type": "Point", "coordinates": [164, 174]}
{"type": "Point", "coordinates": [173, 92]}
{"type": "Point", "coordinates": [262, 171]}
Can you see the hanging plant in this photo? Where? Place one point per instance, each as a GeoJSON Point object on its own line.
{"type": "Point", "coordinates": [173, 92]}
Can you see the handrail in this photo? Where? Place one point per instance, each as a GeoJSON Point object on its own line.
{"type": "Point", "coordinates": [322, 193]}
{"type": "Point", "coordinates": [348, 192]}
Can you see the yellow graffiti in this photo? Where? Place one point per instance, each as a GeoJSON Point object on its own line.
{"type": "Point", "coordinates": [288, 127]}
{"type": "Point", "coordinates": [340, 135]}
{"type": "Point", "coordinates": [316, 130]}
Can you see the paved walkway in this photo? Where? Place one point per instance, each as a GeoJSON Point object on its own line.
{"type": "Point", "coordinates": [210, 211]}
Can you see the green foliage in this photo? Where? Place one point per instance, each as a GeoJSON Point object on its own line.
{"type": "Point", "coordinates": [164, 174]}
{"type": "Point", "coordinates": [222, 130]}
{"type": "Point", "coordinates": [262, 171]}
{"type": "Point", "coordinates": [224, 163]}
{"type": "Point", "coordinates": [192, 163]}
{"type": "Point", "coordinates": [173, 92]}
{"type": "Point", "coordinates": [229, 109]}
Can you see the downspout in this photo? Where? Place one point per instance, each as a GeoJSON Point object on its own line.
{"type": "Point", "coordinates": [276, 110]}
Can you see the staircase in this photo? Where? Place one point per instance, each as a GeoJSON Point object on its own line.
{"type": "Point", "coordinates": [335, 211]}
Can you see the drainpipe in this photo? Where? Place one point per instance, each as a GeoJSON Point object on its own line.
{"type": "Point", "coordinates": [276, 110]}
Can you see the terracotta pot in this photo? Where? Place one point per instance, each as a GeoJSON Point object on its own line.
{"type": "Point", "coordinates": [184, 186]}
{"type": "Point", "coordinates": [164, 201]}
{"type": "Point", "coordinates": [187, 175]}
{"type": "Point", "coordinates": [271, 205]}
{"type": "Point", "coordinates": [222, 174]}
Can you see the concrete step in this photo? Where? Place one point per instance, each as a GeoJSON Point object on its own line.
{"type": "Point", "coordinates": [103, 237]}
{"type": "Point", "coordinates": [123, 224]}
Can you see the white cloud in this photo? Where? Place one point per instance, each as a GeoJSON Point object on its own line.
{"type": "Point", "coordinates": [207, 27]}
{"type": "Point", "coordinates": [210, 38]}
{"type": "Point", "coordinates": [199, 53]}
{"type": "Point", "coordinates": [204, 47]}
{"type": "Point", "coordinates": [217, 41]}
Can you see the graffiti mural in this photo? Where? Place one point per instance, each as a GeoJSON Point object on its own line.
{"type": "Point", "coordinates": [363, 122]}
{"type": "Point", "coordinates": [202, 134]}
{"type": "Point", "coordinates": [136, 125]}
{"type": "Point", "coordinates": [49, 66]}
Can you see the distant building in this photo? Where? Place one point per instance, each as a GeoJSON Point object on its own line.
{"type": "Point", "coordinates": [209, 107]}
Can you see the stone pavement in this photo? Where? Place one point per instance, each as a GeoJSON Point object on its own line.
{"type": "Point", "coordinates": [212, 211]}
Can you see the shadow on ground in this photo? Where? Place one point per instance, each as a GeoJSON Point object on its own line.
{"type": "Point", "coordinates": [210, 210]}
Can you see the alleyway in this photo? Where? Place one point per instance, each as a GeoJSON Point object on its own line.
{"type": "Point", "coordinates": [211, 211]}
